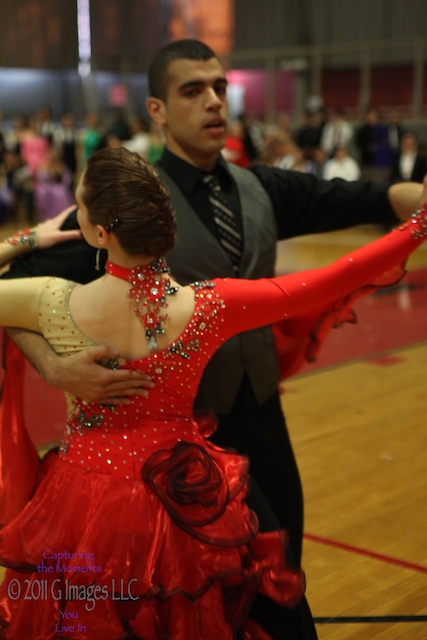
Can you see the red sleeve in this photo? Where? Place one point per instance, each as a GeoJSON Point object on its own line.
{"type": "Point", "coordinates": [254, 303]}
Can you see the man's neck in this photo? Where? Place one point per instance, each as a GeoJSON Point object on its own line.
{"type": "Point", "coordinates": [202, 166]}
{"type": "Point", "coordinates": [204, 163]}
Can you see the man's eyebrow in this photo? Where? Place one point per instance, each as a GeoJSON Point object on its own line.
{"type": "Point", "coordinates": [201, 83]}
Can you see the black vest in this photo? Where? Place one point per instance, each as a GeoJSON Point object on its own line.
{"type": "Point", "coordinates": [199, 256]}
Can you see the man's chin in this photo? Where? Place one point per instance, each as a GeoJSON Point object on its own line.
{"type": "Point", "coordinates": [215, 146]}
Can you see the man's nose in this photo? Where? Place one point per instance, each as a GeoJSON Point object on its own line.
{"type": "Point", "coordinates": [213, 101]}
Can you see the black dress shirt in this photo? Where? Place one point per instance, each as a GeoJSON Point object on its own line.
{"type": "Point", "coordinates": [302, 204]}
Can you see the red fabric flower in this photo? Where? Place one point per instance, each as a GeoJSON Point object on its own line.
{"type": "Point", "coordinates": [189, 483]}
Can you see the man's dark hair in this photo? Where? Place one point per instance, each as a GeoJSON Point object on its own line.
{"type": "Point", "coordinates": [158, 78]}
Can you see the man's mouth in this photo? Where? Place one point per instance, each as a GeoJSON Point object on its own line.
{"type": "Point", "coordinates": [219, 123]}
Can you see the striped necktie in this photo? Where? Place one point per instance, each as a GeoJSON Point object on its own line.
{"type": "Point", "coordinates": [228, 230]}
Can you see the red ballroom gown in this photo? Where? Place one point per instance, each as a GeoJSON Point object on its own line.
{"type": "Point", "coordinates": [137, 526]}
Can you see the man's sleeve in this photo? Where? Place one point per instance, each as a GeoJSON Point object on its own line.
{"type": "Point", "coordinates": [74, 260]}
{"type": "Point", "coordinates": [303, 204]}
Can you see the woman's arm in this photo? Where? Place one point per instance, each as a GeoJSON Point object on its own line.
{"type": "Point", "coordinates": [251, 304]}
{"type": "Point", "coordinates": [19, 302]}
{"type": "Point", "coordinates": [41, 236]}
{"type": "Point", "coordinates": [80, 373]}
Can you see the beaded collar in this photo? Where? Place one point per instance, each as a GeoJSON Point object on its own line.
{"type": "Point", "coordinates": [148, 292]}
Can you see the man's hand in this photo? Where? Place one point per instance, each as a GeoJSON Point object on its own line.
{"type": "Point", "coordinates": [407, 197]}
{"type": "Point", "coordinates": [49, 233]}
{"type": "Point", "coordinates": [81, 375]}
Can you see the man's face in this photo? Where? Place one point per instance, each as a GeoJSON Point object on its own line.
{"type": "Point", "coordinates": [194, 114]}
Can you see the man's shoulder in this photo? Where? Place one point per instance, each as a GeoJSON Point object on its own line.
{"type": "Point", "coordinates": [70, 221]}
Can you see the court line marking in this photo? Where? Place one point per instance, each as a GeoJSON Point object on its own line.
{"type": "Point", "coordinates": [365, 552]}
{"type": "Point", "coordinates": [368, 619]}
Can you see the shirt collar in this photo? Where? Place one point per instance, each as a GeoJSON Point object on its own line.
{"type": "Point", "coordinates": [187, 175]}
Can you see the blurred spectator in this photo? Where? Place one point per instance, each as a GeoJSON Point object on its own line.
{"type": "Point", "coordinates": [13, 135]}
{"type": "Point", "coordinates": [395, 132]}
{"type": "Point", "coordinates": [52, 186]}
{"type": "Point", "coordinates": [7, 195]}
{"type": "Point", "coordinates": [373, 145]}
{"type": "Point", "coordinates": [341, 165]}
{"type": "Point", "coordinates": [302, 161]}
{"type": "Point", "coordinates": [22, 184]}
{"type": "Point", "coordinates": [2, 139]}
{"type": "Point", "coordinates": [251, 147]}
{"type": "Point", "coordinates": [45, 125]}
{"type": "Point", "coordinates": [318, 157]}
{"type": "Point", "coordinates": [308, 134]}
{"type": "Point", "coordinates": [271, 149]}
{"type": "Point", "coordinates": [286, 152]}
{"type": "Point", "coordinates": [89, 138]}
{"type": "Point", "coordinates": [234, 150]}
{"type": "Point", "coordinates": [109, 139]}
{"type": "Point", "coordinates": [283, 125]}
{"type": "Point", "coordinates": [257, 130]}
{"type": "Point", "coordinates": [65, 140]}
{"type": "Point", "coordinates": [337, 132]}
{"type": "Point", "coordinates": [410, 164]}
{"type": "Point", "coordinates": [139, 141]}
{"type": "Point", "coordinates": [33, 146]}
{"type": "Point", "coordinates": [156, 143]}
{"type": "Point", "coordinates": [5, 128]}
{"type": "Point", "coordinates": [120, 125]}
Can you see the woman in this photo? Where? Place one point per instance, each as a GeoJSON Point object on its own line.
{"type": "Point", "coordinates": [138, 527]}
{"type": "Point", "coordinates": [52, 186]}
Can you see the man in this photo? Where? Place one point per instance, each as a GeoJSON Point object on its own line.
{"type": "Point", "coordinates": [188, 100]}
{"type": "Point", "coordinates": [256, 208]}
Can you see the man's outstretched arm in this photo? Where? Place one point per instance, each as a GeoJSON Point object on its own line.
{"type": "Point", "coordinates": [80, 373]}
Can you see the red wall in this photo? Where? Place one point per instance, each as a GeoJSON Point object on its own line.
{"type": "Point", "coordinates": [389, 87]}
{"type": "Point", "coordinates": [255, 85]}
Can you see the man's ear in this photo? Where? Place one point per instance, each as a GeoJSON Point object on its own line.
{"type": "Point", "coordinates": [157, 110]}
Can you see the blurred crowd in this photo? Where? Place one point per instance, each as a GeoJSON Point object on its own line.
{"type": "Point", "coordinates": [40, 159]}
{"type": "Point", "coordinates": [326, 144]}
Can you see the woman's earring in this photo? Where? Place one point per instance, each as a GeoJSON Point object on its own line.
{"type": "Point", "coordinates": [97, 259]}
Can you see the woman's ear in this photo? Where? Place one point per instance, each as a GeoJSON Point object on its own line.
{"type": "Point", "coordinates": [102, 236]}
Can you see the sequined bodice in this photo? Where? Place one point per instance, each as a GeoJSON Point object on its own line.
{"type": "Point", "coordinates": [118, 439]}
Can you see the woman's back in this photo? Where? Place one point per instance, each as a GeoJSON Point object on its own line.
{"type": "Point", "coordinates": [105, 315]}
{"type": "Point", "coordinates": [193, 331]}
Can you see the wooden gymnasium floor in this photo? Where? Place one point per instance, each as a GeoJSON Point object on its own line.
{"type": "Point", "coordinates": [358, 422]}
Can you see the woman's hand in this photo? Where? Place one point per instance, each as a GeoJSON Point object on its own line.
{"type": "Point", "coordinates": [48, 233]}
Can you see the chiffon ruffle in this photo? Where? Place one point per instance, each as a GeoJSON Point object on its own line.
{"type": "Point", "coordinates": [19, 461]}
{"type": "Point", "coordinates": [299, 339]}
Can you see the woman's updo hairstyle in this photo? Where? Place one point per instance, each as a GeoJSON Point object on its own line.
{"type": "Point", "coordinates": [125, 194]}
